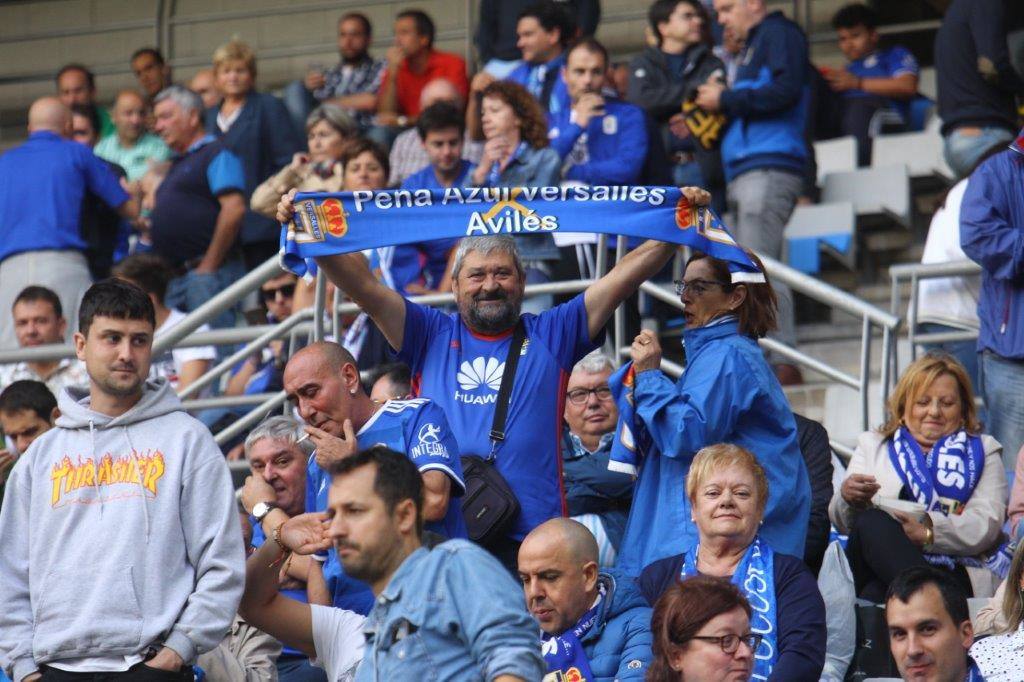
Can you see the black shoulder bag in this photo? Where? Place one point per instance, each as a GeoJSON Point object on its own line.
{"type": "Point", "coordinates": [489, 505]}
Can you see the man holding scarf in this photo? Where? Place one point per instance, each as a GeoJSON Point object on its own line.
{"type": "Point", "coordinates": [458, 359]}
{"type": "Point", "coordinates": [596, 624]}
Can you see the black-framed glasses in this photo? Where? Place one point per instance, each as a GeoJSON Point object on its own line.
{"type": "Point", "coordinates": [730, 643]}
{"type": "Point", "coordinates": [286, 290]}
{"type": "Point", "coordinates": [579, 396]}
{"type": "Point", "coordinates": [699, 287]}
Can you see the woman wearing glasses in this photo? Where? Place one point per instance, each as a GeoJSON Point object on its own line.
{"type": "Point", "coordinates": [701, 631]}
{"type": "Point", "coordinates": [728, 394]}
{"type": "Point", "coordinates": [728, 490]}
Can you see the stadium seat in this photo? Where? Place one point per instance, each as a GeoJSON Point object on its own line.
{"type": "Point", "coordinates": [833, 156]}
{"type": "Point", "coordinates": [812, 229]}
{"type": "Point", "coordinates": [879, 190]}
{"type": "Point", "coordinates": [927, 83]}
{"type": "Point", "coordinates": [920, 152]}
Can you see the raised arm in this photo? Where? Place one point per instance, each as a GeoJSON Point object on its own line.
{"type": "Point", "coordinates": [606, 294]}
{"type": "Point", "coordinates": [351, 273]}
{"type": "Point", "coordinates": [262, 605]}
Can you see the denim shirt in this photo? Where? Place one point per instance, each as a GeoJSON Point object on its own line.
{"type": "Point", "coordinates": [534, 168]}
{"type": "Point", "coordinates": [450, 613]}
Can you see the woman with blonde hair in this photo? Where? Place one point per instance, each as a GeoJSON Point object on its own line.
{"type": "Point", "coordinates": [256, 127]}
{"type": "Point", "coordinates": [926, 488]}
{"type": "Point", "coordinates": [728, 490]}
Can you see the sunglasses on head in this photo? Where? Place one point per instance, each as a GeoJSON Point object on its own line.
{"type": "Point", "coordinates": [286, 290]}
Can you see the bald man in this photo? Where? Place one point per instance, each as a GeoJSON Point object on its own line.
{"type": "Point", "coordinates": [204, 84]}
{"type": "Point", "coordinates": [132, 147]}
{"type": "Point", "coordinates": [42, 185]}
{"type": "Point", "coordinates": [408, 154]}
{"type": "Point", "coordinates": [594, 621]}
{"type": "Point", "coordinates": [322, 380]}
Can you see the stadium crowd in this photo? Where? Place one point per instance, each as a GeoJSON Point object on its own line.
{"type": "Point", "coordinates": [480, 492]}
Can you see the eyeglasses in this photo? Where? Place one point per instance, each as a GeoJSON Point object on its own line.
{"type": "Point", "coordinates": [699, 287]}
{"type": "Point", "coordinates": [286, 290]}
{"type": "Point", "coordinates": [730, 643]}
{"type": "Point", "coordinates": [580, 396]}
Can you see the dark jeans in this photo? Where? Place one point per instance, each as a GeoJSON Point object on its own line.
{"type": "Point", "coordinates": [879, 551]}
{"type": "Point", "coordinates": [140, 672]}
{"type": "Point", "coordinates": [298, 669]}
{"type": "Point", "coordinates": [839, 115]}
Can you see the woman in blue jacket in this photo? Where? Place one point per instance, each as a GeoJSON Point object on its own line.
{"type": "Point", "coordinates": [728, 394]}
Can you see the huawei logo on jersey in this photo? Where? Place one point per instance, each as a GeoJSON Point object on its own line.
{"type": "Point", "coordinates": [481, 371]}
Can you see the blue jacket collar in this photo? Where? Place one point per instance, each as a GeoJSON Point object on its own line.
{"type": "Point", "coordinates": [621, 596]}
{"type": "Point", "coordinates": [44, 135]}
{"type": "Point", "coordinates": [695, 339]}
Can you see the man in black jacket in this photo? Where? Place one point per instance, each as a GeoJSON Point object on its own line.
{"type": "Point", "coordinates": [817, 452]}
{"type": "Point", "coordinates": [977, 83]}
{"type": "Point", "coordinates": [665, 78]}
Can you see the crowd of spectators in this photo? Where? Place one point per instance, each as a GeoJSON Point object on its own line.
{"type": "Point", "coordinates": [457, 493]}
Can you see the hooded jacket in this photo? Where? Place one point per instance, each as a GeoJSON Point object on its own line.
{"type": "Point", "coordinates": [118, 534]}
{"type": "Point", "coordinates": [728, 394]}
{"type": "Point", "coordinates": [619, 646]}
{"type": "Point", "coordinates": [992, 235]}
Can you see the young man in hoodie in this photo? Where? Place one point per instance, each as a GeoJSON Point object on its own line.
{"type": "Point", "coordinates": [594, 622]}
{"type": "Point", "coordinates": [122, 553]}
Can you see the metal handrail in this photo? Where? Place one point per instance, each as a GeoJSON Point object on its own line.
{"type": "Point", "coordinates": [915, 272]}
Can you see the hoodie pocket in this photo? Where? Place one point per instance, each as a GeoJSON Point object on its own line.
{"type": "Point", "coordinates": [87, 610]}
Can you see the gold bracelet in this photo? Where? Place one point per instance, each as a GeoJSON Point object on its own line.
{"type": "Point", "coordinates": [276, 534]}
{"type": "Point", "coordinates": [929, 537]}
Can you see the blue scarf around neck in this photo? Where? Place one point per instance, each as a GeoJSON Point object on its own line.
{"type": "Point", "coordinates": [565, 654]}
{"type": "Point", "coordinates": [755, 576]}
{"type": "Point", "coordinates": [944, 478]}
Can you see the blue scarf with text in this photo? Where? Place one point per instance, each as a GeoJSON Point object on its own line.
{"type": "Point", "coordinates": [564, 656]}
{"type": "Point", "coordinates": [755, 576]}
{"type": "Point", "coordinates": [327, 224]}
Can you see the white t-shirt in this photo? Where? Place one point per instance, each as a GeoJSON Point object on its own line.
{"type": "Point", "coordinates": [951, 301]}
{"type": "Point", "coordinates": [171, 362]}
{"type": "Point", "coordinates": [339, 640]}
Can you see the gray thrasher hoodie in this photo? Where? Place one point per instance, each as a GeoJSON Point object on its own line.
{"type": "Point", "coordinates": [117, 534]}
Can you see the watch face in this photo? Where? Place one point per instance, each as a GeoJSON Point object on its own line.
{"type": "Point", "coordinates": [260, 509]}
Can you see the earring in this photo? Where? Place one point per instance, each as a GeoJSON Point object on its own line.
{"type": "Point", "coordinates": [352, 392]}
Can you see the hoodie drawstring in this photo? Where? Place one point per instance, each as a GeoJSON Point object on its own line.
{"type": "Point", "coordinates": [95, 465]}
{"type": "Point", "coordinates": [141, 472]}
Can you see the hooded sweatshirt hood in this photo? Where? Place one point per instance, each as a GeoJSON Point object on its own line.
{"type": "Point", "coordinates": [119, 534]}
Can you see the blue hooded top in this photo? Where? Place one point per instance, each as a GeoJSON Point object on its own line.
{"type": "Point", "coordinates": [728, 394]}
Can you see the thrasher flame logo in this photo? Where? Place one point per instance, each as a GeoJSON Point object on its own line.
{"type": "Point", "coordinates": [67, 477]}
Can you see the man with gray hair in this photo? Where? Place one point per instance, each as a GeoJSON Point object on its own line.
{"type": "Point", "coordinates": [597, 497]}
{"type": "Point", "coordinates": [458, 359]}
{"type": "Point", "coordinates": [274, 493]}
{"type": "Point", "coordinates": [199, 206]}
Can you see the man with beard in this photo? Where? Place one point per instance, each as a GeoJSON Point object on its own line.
{"type": "Point", "coordinates": [119, 527]}
{"type": "Point", "coordinates": [458, 359]}
{"type": "Point", "coordinates": [323, 381]}
{"type": "Point", "coordinates": [448, 613]}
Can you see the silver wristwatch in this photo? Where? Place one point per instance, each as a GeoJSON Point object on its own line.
{"type": "Point", "coordinates": [261, 509]}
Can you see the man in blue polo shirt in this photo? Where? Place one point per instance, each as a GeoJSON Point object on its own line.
{"type": "Point", "coordinates": [323, 381]}
{"type": "Point", "coordinates": [602, 141]}
{"type": "Point", "coordinates": [458, 359]}
{"type": "Point", "coordinates": [42, 183]}
{"type": "Point", "coordinates": [419, 268]}
{"type": "Point", "coordinates": [199, 206]}
{"type": "Point", "coordinates": [877, 85]}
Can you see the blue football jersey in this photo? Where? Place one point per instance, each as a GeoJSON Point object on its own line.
{"type": "Point", "coordinates": [461, 372]}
